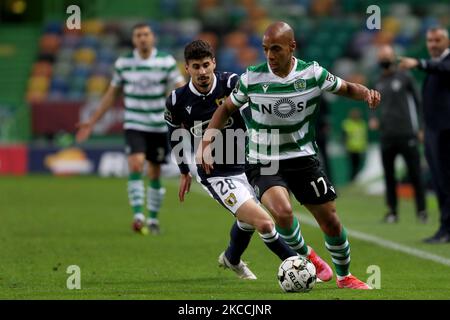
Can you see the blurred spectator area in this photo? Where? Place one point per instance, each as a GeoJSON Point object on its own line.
{"type": "Point", "coordinates": [57, 68]}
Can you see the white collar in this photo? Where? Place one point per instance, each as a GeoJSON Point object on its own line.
{"type": "Point", "coordinates": [294, 68]}
{"type": "Point", "coordinates": [445, 53]}
{"type": "Point", "coordinates": [138, 56]}
{"type": "Point", "coordinates": [196, 92]}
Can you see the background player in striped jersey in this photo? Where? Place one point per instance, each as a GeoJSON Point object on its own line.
{"type": "Point", "coordinates": [145, 76]}
{"type": "Point", "coordinates": [190, 108]}
{"type": "Point", "coordinates": [283, 95]}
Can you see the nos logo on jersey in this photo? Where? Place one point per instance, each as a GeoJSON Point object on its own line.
{"type": "Point", "coordinates": [283, 108]}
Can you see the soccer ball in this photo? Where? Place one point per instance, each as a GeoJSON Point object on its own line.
{"type": "Point", "coordinates": [296, 274]}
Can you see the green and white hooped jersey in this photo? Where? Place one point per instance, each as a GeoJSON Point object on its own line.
{"type": "Point", "coordinates": [145, 83]}
{"type": "Point", "coordinates": [283, 110]}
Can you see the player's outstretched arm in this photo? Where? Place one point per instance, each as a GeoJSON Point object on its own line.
{"type": "Point", "coordinates": [359, 92]}
{"type": "Point", "coordinates": [220, 117]}
{"type": "Point", "coordinates": [85, 128]}
{"type": "Point", "coordinates": [185, 185]}
{"type": "Point", "coordinates": [430, 66]}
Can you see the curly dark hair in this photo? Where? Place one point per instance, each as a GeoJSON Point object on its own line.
{"type": "Point", "coordinates": [198, 49]}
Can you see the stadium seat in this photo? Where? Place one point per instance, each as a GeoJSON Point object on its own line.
{"type": "Point", "coordinates": [55, 95]}
{"type": "Point", "coordinates": [75, 95]}
{"type": "Point", "coordinates": [70, 41]}
{"type": "Point", "coordinates": [54, 27]}
{"type": "Point", "coordinates": [49, 44]}
{"type": "Point", "coordinates": [247, 57]}
{"type": "Point", "coordinates": [211, 38]}
{"type": "Point", "coordinates": [227, 58]}
{"type": "Point", "coordinates": [391, 25]}
{"type": "Point", "coordinates": [42, 69]}
{"type": "Point", "coordinates": [109, 41]}
{"type": "Point", "coordinates": [97, 85]}
{"type": "Point", "coordinates": [38, 84]}
{"type": "Point", "coordinates": [89, 41]}
{"type": "Point", "coordinates": [236, 40]}
{"type": "Point", "coordinates": [85, 55]}
{"type": "Point", "coordinates": [92, 27]}
{"type": "Point", "coordinates": [106, 56]}
{"type": "Point", "coordinates": [81, 70]}
{"type": "Point", "coordinates": [77, 84]}
{"type": "Point", "coordinates": [59, 84]}
{"type": "Point", "coordinates": [103, 69]}
{"type": "Point", "coordinates": [62, 69]}
{"type": "Point", "coordinates": [65, 55]}
{"type": "Point", "coordinates": [111, 27]}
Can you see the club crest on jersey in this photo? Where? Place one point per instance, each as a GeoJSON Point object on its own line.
{"type": "Point", "coordinates": [220, 101]}
{"type": "Point", "coordinates": [300, 85]}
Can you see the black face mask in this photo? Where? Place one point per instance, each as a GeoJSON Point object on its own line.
{"type": "Point", "coordinates": [385, 64]}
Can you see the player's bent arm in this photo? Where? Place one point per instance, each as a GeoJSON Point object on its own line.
{"type": "Point", "coordinates": [431, 66]}
{"type": "Point", "coordinates": [180, 158]}
{"type": "Point", "coordinates": [219, 119]}
{"type": "Point", "coordinates": [85, 128]}
{"type": "Point", "coordinates": [106, 103]}
{"type": "Point", "coordinates": [352, 90]}
{"type": "Point", "coordinates": [359, 92]}
{"type": "Point", "coordinates": [185, 175]}
{"type": "Point", "coordinates": [185, 185]}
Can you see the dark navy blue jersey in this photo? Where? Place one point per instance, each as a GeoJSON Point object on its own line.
{"type": "Point", "coordinates": [187, 108]}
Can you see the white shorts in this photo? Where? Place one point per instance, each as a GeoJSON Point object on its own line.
{"type": "Point", "coordinates": [231, 192]}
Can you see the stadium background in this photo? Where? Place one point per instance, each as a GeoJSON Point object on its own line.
{"type": "Point", "coordinates": [52, 77]}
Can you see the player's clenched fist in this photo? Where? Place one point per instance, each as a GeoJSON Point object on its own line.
{"type": "Point", "coordinates": [373, 98]}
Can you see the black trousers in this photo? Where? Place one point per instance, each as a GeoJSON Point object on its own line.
{"type": "Point", "coordinates": [437, 151]}
{"type": "Point", "coordinates": [356, 159]}
{"type": "Point", "coordinates": [408, 149]}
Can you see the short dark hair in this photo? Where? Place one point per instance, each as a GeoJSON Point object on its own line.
{"type": "Point", "coordinates": [438, 28]}
{"type": "Point", "coordinates": [198, 49]}
{"type": "Point", "coordinates": [140, 25]}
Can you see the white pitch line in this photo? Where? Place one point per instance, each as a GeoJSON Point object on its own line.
{"type": "Point", "coordinates": [368, 238]}
{"type": "Point", "coordinates": [383, 242]}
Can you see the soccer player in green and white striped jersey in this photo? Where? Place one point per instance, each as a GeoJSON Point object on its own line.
{"type": "Point", "coordinates": [283, 95]}
{"type": "Point", "coordinates": [145, 76]}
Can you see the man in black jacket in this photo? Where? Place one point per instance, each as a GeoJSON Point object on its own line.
{"type": "Point", "coordinates": [399, 121]}
{"type": "Point", "coordinates": [436, 106]}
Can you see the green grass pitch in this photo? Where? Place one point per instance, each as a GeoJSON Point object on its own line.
{"type": "Point", "coordinates": [48, 224]}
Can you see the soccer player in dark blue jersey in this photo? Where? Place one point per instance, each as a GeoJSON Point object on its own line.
{"type": "Point", "coordinates": [188, 112]}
